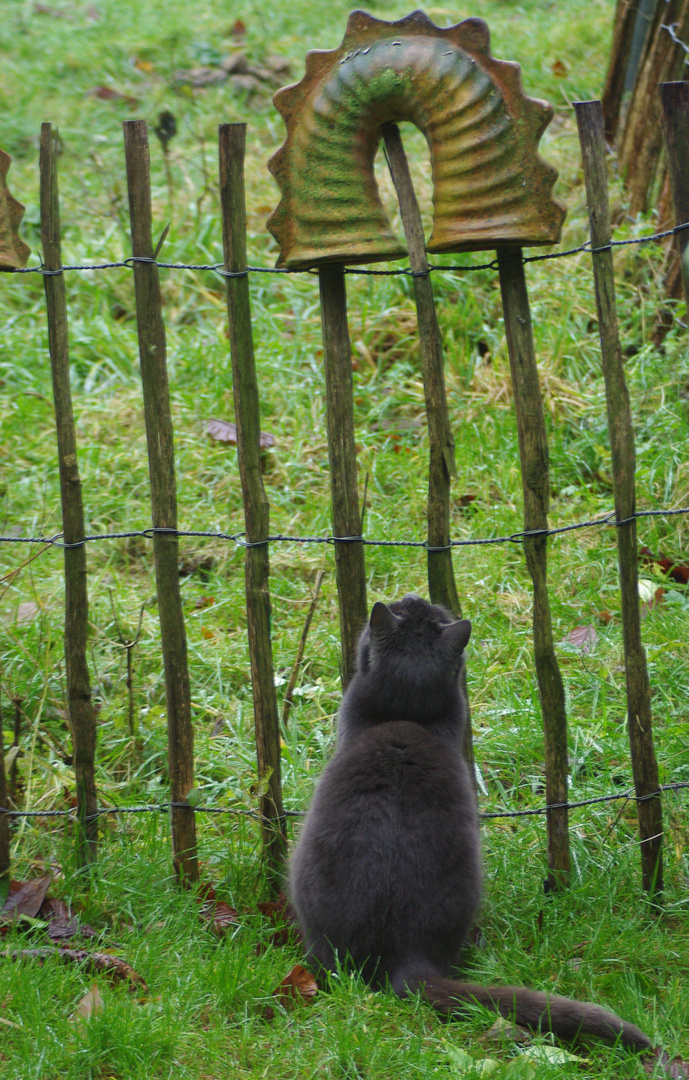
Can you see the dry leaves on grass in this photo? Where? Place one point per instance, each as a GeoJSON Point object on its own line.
{"type": "Point", "coordinates": [283, 919]}
{"type": "Point", "coordinates": [218, 915]}
{"type": "Point", "coordinates": [583, 638]}
{"type": "Point", "coordinates": [676, 571]}
{"type": "Point", "coordinates": [492, 381]}
{"type": "Point", "coordinates": [298, 986]}
{"type": "Point", "coordinates": [103, 963]}
{"type": "Point", "coordinates": [108, 93]}
{"type": "Point", "coordinates": [225, 431]}
{"type": "Point", "coordinates": [653, 602]}
{"type": "Point", "coordinates": [29, 907]}
{"type": "Point", "coordinates": [91, 1003]}
{"type": "Point", "coordinates": [658, 1063]}
{"type": "Point", "coordinates": [25, 898]}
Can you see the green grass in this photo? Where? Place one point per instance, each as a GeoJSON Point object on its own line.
{"type": "Point", "coordinates": [599, 941]}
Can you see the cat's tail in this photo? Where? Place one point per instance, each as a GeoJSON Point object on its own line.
{"type": "Point", "coordinates": [533, 1009]}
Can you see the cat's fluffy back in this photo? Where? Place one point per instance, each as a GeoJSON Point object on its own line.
{"type": "Point", "coordinates": [387, 865]}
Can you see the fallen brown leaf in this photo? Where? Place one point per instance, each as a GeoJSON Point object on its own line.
{"type": "Point", "coordinates": [298, 985]}
{"type": "Point", "coordinates": [25, 898]}
{"type": "Point", "coordinates": [219, 915]}
{"type": "Point", "coordinates": [112, 966]}
{"type": "Point", "coordinates": [92, 1002]}
{"type": "Point", "coordinates": [62, 925]}
{"type": "Point", "coordinates": [676, 571]}
{"type": "Point", "coordinates": [505, 1031]}
{"type": "Point", "coordinates": [238, 29]}
{"type": "Point", "coordinates": [655, 601]}
{"type": "Point", "coordinates": [55, 909]}
{"type": "Point", "coordinates": [28, 898]}
{"type": "Point", "coordinates": [283, 918]}
{"type": "Point", "coordinates": [204, 602]}
{"type": "Point", "coordinates": [226, 431]}
{"type": "Point", "coordinates": [658, 1063]}
{"type": "Point", "coordinates": [583, 638]}
{"type": "Point", "coordinates": [106, 93]}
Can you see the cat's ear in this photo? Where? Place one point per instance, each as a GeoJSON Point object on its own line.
{"type": "Point", "coordinates": [457, 635]}
{"type": "Point", "coordinates": [383, 621]}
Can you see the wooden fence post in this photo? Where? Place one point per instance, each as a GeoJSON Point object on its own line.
{"type": "Point", "coordinates": [442, 468]}
{"type": "Point", "coordinates": [641, 143]}
{"type": "Point", "coordinates": [161, 463]}
{"type": "Point", "coordinates": [441, 579]}
{"type": "Point", "coordinates": [644, 766]}
{"type": "Point", "coordinates": [4, 821]}
{"type": "Point", "coordinates": [626, 14]}
{"type": "Point", "coordinates": [81, 713]}
{"type": "Point", "coordinates": [533, 453]}
{"type": "Point", "coordinates": [674, 97]}
{"type": "Point", "coordinates": [232, 148]}
{"type": "Point", "coordinates": [350, 566]}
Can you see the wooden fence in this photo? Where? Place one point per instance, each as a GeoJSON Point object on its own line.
{"type": "Point", "coordinates": [649, 47]}
{"type": "Point", "coordinates": [349, 548]}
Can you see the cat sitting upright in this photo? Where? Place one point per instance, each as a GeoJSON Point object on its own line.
{"type": "Point", "coordinates": [386, 874]}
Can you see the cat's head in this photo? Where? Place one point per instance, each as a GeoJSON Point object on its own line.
{"type": "Point", "coordinates": [414, 647]}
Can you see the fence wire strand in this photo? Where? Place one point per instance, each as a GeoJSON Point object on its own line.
{"type": "Point", "coordinates": [219, 268]}
{"type": "Point", "coordinates": [158, 808]}
{"type": "Point", "coordinates": [239, 539]}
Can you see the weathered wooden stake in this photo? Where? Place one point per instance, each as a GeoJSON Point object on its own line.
{"type": "Point", "coordinates": [350, 568]}
{"type": "Point", "coordinates": [442, 468]}
{"type": "Point", "coordinates": [161, 463]}
{"type": "Point", "coordinates": [81, 713]}
{"type": "Point", "coordinates": [623, 34]}
{"type": "Point", "coordinates": [674, 97]}
{"type": "Point", "coordinates": [256, 507]}
{"type": "Point", "coordinates": [4, 820]}
{"type": "Point", "coordinates": [641, 144]}
{"type": "Point", "coordinates": [533, 453]}
{"type": "Point", "coordinates": [644, 766]}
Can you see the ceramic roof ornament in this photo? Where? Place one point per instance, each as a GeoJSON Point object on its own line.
{"type": "Point", "coordinates": [490, 186]}
{"type": "Point", "coordinates": [13, 251]}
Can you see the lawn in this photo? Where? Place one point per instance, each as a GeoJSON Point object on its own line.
{"type": "Point", "coordinates": [86, 67]}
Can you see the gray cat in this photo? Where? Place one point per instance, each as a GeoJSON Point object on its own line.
{"type": "Point", "coordinates": [386, 875]}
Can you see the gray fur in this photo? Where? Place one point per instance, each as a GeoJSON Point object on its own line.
{"type": "Point", "coordinates": [386, 874]}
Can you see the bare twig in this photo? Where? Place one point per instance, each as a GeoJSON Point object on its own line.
{"type": "Point", "coordinates": [287, 704]}
{"type": "Point", "coordinates": [128, 646]}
